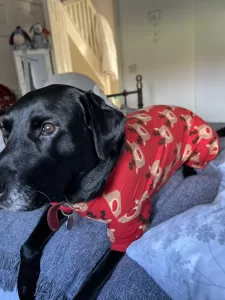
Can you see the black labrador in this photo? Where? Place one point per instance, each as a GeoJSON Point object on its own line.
{"type": "Point", "coordinates": [59, 145]}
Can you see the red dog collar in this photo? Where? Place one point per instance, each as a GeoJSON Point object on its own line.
{"type": "Point", "coordinates": [52, 217]}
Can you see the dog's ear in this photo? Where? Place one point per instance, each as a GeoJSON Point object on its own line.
{"type": "Point", "coordinates": [107, 125]}
{"type": "Point", "coordinates": [108, 130]}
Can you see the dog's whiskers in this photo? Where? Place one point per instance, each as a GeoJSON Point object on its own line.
{"type": "Point", "coordinates": [43, 195]}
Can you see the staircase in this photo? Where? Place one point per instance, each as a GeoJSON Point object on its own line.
{"type": "Point", "coordinates": [73, 21]}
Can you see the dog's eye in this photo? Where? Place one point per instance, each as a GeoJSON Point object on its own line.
{"type": "Point", "coordinates": [48, 128]}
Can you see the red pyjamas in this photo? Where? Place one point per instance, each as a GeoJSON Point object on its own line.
{"type": "Point", "coordinates": [158, 141]}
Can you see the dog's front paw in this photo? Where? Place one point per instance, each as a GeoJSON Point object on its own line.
{"type": "Point", "coordinates": [25, 292]}
{"type": "Point", "coordinates": [28, 275]}
{"type": "Point", "coordinates": [27, 279]}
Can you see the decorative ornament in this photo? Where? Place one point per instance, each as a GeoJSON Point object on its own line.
{"type": "Point", "coordinates": [39, 39]}
{"type": "Point", "coordinates": [154, 17]}
{"type": "Point", "coordinates": [19, 39]}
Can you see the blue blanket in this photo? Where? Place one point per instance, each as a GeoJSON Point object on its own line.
{"type": "Point", "coordinates": [71, 255]}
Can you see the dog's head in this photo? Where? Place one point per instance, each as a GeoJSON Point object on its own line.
{"type": "Point", "coordinates": [60, 142]}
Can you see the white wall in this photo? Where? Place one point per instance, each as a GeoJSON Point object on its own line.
{"type": "Point", "coordinates": [210, 59]}
{"type": "Point", "coordinates": [14, 13]}
{"type": "Point", "coordinates": [174, 69]}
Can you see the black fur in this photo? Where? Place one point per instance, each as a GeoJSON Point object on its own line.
{"type": "Point", "coordinates": [221, 132]}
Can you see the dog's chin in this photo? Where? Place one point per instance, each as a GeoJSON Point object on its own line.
{"type": "Point", "coordinates": [23, 200]}
{"type": "Point", "coordinates": [15, 206]}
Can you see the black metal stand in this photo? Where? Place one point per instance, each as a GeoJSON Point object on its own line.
{"type": "Point", "coordinates": [125, 93]}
